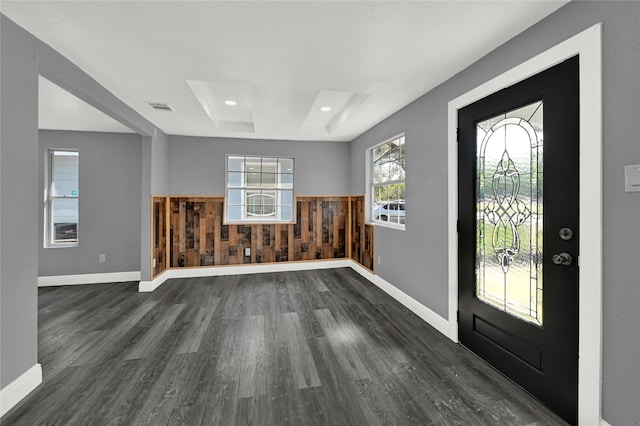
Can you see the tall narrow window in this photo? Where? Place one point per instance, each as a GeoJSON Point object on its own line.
{"type": "Point", "coordinates": [387, 168]}
{"type": "Point", "coordinates": [61, 212]}
{"type": "Point", "coordinates": [259, 189]}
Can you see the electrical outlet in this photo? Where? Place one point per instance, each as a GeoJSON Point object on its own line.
{"type": "Point", "coordinates": [247, 251]}
{"type": "Point", "coordinates": [154, 262]}
{"type": "Point", "coordinates": [379, 260]}
{"type": "Point", "coordinates": [102, 258]}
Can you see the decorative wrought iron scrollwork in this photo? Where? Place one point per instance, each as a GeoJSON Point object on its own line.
{"type": "Point", "coordinates": [509, 210]}
{"type": "Point", "coordinates": [506, 211]}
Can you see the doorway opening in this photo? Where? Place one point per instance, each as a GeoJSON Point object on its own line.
{"type": "Point", "coordinates": [588, 46]}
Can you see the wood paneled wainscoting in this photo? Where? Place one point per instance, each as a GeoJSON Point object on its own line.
{"type": "Point", "coordinates": [159, 235]}
{"type": "Point", "coordinates": [361, 233]}
{"type": "Point", "coordinates": [194, 234]}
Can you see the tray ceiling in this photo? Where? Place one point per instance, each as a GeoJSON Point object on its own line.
{"type": "Point", "coordinates": [283, 61]}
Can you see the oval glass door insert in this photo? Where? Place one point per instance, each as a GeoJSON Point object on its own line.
{"type": "Point", "coordinates": [509, 212]}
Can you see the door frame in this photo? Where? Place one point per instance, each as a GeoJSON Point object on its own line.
{"type": "Point", "coordinates": [588, 45]}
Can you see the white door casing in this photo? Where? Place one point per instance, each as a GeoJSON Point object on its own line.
{"type": "Point", "coordinates": [588, 45]}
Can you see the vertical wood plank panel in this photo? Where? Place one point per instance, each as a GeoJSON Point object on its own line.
{"type": "Point", "coordinates": [206, 257]}
{"type": "Point", "coordinates": [304, 231]}
{"type": "Point", "coordinates": [256, 241]}
{"type": "Point", "coordinates": [290, 243]}
{"type": "Point", "coordinates": [349, 228]}
{"type": "Point", "coordinates": [175, 232]}
{"type": "Point", "coordinates": [344, 226]}
{"type": "Point", "coordinates": [217, 226]}
{"type": "Point", "coordinates": [319, 227]}
{"type": "Point", "coordinates": [236, 249]}
{"type": "Point", "coordinates": [362, 234]}
{"type": "Point", "coordinates": [167, 215]}
{"type": "Point", "coordinates": [182, 232]}
{"type": "Point", "coordinates": [199, 237]}
{"type": "Point", "coordinates": [277, 243]}
{"type": "Point", "coordinates": [159, 241]}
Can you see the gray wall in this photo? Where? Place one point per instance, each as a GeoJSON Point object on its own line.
{"type": "Point", "coordinates": [421, 270]}
{"type": "Point", "coordinates": [155, 181]}
{"type": "Point", "coordinates": [23, 57]}
{"type": "Point", "coordinates": [109, 210]}
{"type": "Point", "coordinates": [197, 165]}
{"type": "Point", "coordinates": [18, 216]}
{"type": "Point", "coordinates": [160, 165]}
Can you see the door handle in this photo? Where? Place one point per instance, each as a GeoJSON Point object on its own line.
{"type": "Point", "coordinates": [562, 259]}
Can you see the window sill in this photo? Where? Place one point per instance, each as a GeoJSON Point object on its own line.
{"type": "Point", "coordinates": [61, 245]}
{"type": "Point", "coordinates": [389, 225]}
{"type": "Point", "coordinates": [259, 222]}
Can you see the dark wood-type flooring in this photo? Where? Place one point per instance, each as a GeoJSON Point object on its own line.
{"type": "Point", "coordinates": [297, 348]}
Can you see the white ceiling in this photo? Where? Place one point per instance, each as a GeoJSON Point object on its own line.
{"type": "Point", "coordinates": [60, 110]}
{"type": "Point", "coordinates": [365, 59]}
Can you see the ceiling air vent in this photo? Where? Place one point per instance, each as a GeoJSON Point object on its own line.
{"type": "Point", "coordinates": [160, 106]}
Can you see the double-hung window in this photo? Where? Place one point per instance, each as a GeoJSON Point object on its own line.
{"type": "Point", "coordinates": [61, 209]}
{"type": "Point", "coordinates": [387, 184]}
{"type": "Point", "coordinates": [259, 189]}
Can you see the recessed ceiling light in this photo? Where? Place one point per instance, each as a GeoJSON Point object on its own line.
{"type": "Point", "coordinates": [230, 102]}
{"type": "Point", "coordinates": [325, 109]}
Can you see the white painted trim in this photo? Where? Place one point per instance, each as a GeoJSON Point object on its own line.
{"type": "Point", "coordinates": [15, 391]}
{"type": "Point", "coordinates": [427, 315]}
{"type": "Point", "coordinates": [368, 204]}
{"type": "Point", "coordinates": [214, 271]}
{"type": "Point", "coordinates": [587, 44]}
{"type": "Point", "coordinates": [603, 422]}
{"type": "Point", "coordinates": [149, 286]}
{"type": "Point", "coordinates": [452, 222]}
{"type": "Point", "coordinates": [78, 279]}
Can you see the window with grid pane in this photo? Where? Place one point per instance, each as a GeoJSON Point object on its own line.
{"type": "Point", "coordinates": [61, 212]}
{"type": "Point", "coordinates": [259, 189]}
{"type": "Point", "coordinates": [387, 171]}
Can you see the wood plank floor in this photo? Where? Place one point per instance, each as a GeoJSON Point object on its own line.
{"type": "Point", "coordinates": [297, 348]}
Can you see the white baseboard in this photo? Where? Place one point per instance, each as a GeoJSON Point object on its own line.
{"type": "Point", "coordinates": [215, 271]}
{"type": "Point", "coordinates": [15, 391]}
{"type": "Point", "coordinates": [109, 277]}
{"type": "Point", "coordinates": [427, 315]}
{"type": "Point", "coordinates": [258, 268]}
{"type": "Point", "coordinates": [149, 286]}
{"type": "Point", "coordinates": [603, 422]}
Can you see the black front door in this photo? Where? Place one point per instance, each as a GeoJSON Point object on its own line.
{"type": "Point", "coordinates": [518, 233]}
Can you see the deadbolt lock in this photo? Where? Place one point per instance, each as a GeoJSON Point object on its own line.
{"type": "Point", "coordinates": [565, 234]}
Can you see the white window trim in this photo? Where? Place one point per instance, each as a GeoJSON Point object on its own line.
{"type": "Point", "coordinates": [588, 45]}
{"type": "Point", "coordinates": [370, 184]}
{"type": "Point", "coordinates": [258, 220]}
{"type": "Point", "coordinates": [49, 240]}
